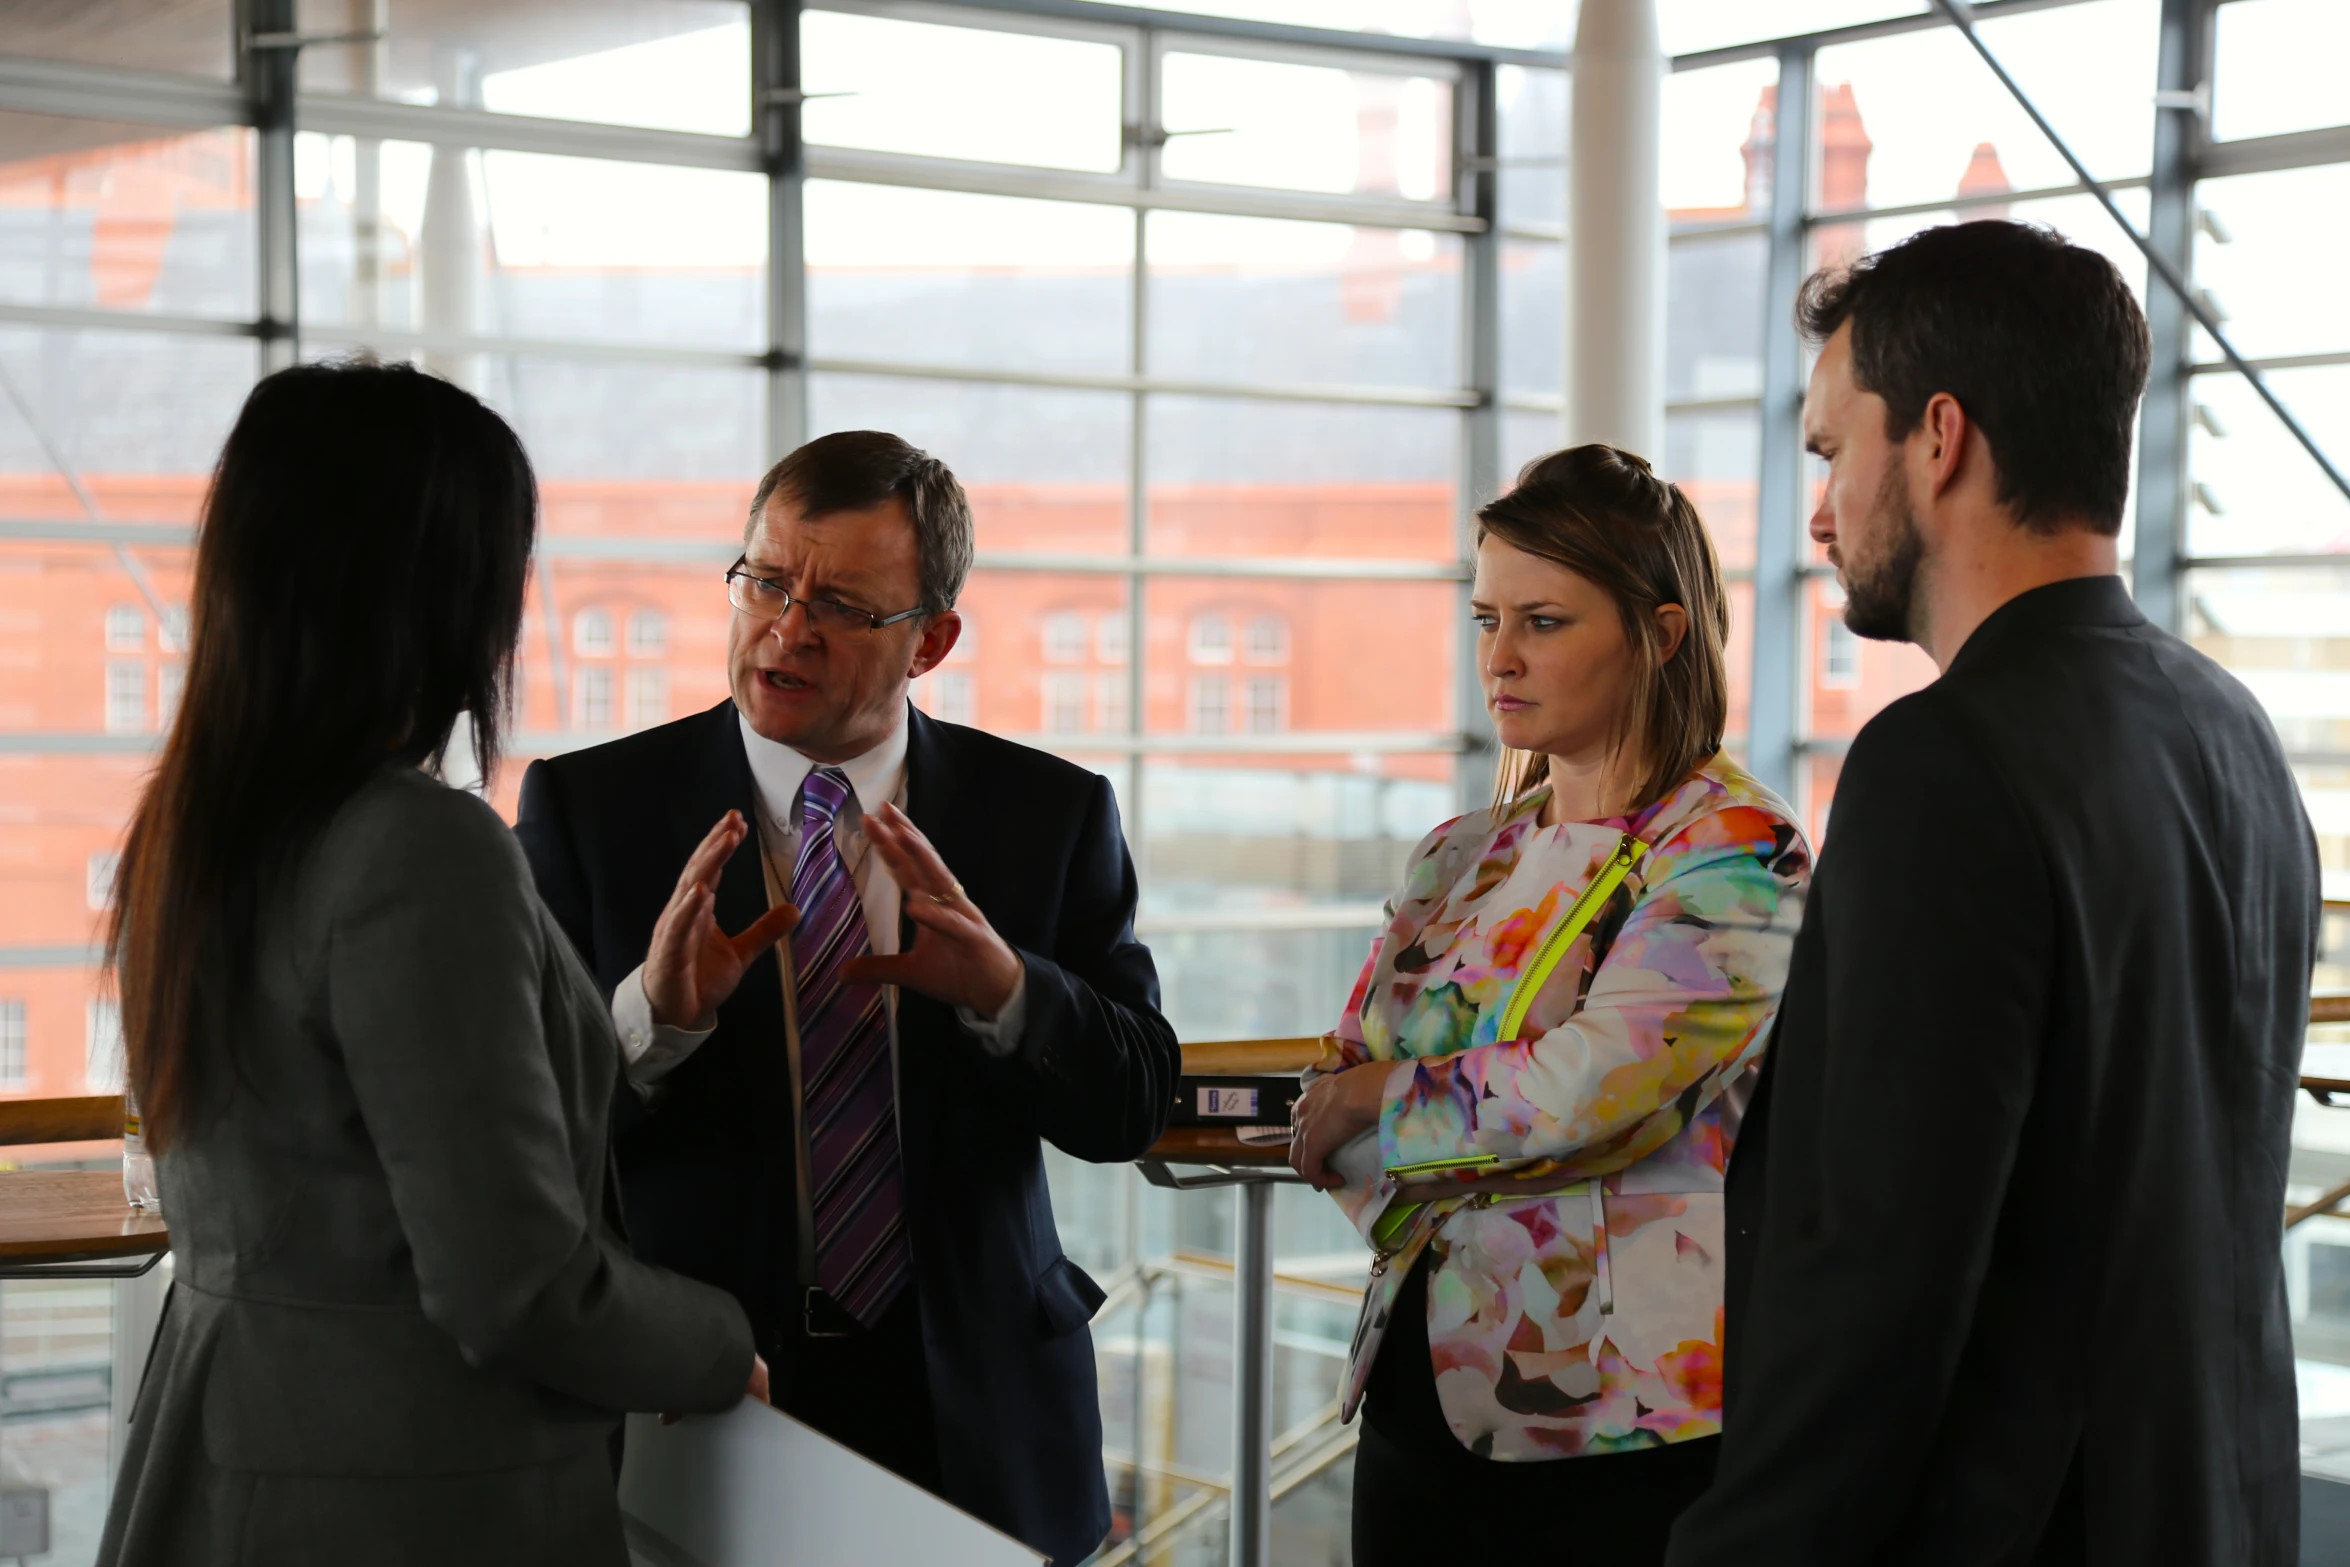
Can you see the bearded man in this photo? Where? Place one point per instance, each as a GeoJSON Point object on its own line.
{"type": "Point", "coordinates": [2004, 1280]}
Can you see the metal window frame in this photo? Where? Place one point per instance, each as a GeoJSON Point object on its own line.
{"type": "Point", "coordinates": [1145, 38]}
{"type": "Point", "coordinates": [1450, 209]}
{"type": "Point", "coordinates": [1477, 127]}
{"type": "Point", "coordinates": [262, 99]}
{"type": "Point", "coordinates": [2182, 156]}
{"type": "Point", "coordinates": [1775, 716]}
{"type": "Point", "coordinates": [2183, 64]}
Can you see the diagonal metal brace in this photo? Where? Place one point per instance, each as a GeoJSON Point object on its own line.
{"type": "Point", "coordinates": [1962, 16]}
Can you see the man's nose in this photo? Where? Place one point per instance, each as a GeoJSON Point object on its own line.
{"type": "Point", "coordinates": [1823, 521]}
{"type": "Point", "coordinates": [795, 627]}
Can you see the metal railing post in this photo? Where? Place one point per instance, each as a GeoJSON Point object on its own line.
{"type": "Point", "coordinates": [1252, 1376]}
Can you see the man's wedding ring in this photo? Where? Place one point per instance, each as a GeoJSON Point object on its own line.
{"type": "Point", "coordinates": [948, 896]}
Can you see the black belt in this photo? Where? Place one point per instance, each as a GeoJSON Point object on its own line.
{"type": "Point", "coordinates": [823, 1317]}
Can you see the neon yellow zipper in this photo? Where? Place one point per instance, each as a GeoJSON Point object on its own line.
{"type": "Point", "coordinates": [1554, 947]}
{"type": "Point", "coordinates": [1387, 1232]}
{"type": "Point", "coordinates": [1404, 1172]}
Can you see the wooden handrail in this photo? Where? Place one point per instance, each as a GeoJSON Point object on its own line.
{"type": "Point", "coordinates": [82, 1120]}
{"type": "Point", "coordinates": [1256, 1057]}
{"type": "Point", "coordinates": [97, 1117]}
{"type": "Point", "coordinates": [1279, 1057]}
{"type": "Point", "coordinates": [1214, 1145]}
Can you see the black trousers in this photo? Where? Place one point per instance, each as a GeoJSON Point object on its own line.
{"type": "Point", "coordinates": [1417, 1489]}
{"type": "Point", "coordinates": [869, 1391]}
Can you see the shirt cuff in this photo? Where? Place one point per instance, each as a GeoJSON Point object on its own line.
{"type": "Point", "coordinates": [650, 1050]}
{"type": "Point", "coordinates": [1000, 1035]}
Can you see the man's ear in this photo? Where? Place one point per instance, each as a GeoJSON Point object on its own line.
{"type": "Point", "coordinates": [940, 633]}
{"type": "Point", "coordinates": [1943, 440]}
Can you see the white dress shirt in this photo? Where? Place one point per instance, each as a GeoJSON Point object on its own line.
{"type": "Point", "coordinates": [777, 771]}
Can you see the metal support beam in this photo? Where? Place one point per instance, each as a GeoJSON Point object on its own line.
{"type": "Point", "coordinates": [2163, 421]}
{"type": "Point", "coordinates": [452, 244]}
{"type": "Point", "coordinates": [1395, 49]}
{"type": "Point", "coordinates": [267, 77]}
{"type": "Point", "coordinates": [1616, 230]}
{"type": "Point", "coordinates": [1777, 621]}
{"type": "Point", "coordinates": [1142, 92]}
{"type": "Point", "coordinates": [1479, 133]}
{"type": "Point", "coordinates": [1252, 1376]}
{"type": "Point", "coordinates": [1252, 1345]}
{"type": "Point", "coordinates": [775, 99]}
{"type": "Point", "coordinates": [1962, 16]}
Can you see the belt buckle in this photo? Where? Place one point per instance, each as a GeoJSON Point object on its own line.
{"type": "Point", "coordinates": [823, 1317]}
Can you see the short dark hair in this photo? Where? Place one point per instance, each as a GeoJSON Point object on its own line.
{"type": "Point", "coordinates": [2039, 340]}
{"type": "Point", "coordinates": [851, 470]}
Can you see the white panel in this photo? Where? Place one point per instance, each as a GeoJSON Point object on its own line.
{"type": "Point", "coordinates": [756, 1488]}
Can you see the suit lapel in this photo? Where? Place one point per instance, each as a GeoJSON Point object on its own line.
{"type": "Point", "coordinates": [720, 782]}
{"type": "Point", "coordinates": [921, 1089]}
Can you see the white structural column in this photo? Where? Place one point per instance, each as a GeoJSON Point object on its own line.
{"type": "Point", "coordinates": [452, 244]}
{"type": "Point", "coordinates": [1616, 231]}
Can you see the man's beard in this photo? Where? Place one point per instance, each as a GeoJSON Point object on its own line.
{"type": "Point", "coordinates": [1879, 591]}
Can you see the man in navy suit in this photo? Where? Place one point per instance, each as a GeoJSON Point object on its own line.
{"type": "Point", "coordinates": [845, 1128]}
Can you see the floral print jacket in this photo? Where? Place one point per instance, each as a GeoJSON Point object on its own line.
{"type": "Point", "coordinates": [1585, 1315]}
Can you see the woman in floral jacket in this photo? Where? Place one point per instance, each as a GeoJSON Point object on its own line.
{"type": "Point", "coordinates": [1543, 1065]}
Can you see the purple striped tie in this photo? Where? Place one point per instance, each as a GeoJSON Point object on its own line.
{"type": "Point", "coordinates": [848, 1088]}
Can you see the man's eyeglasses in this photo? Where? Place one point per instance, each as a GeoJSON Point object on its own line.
{"type": "Point", "coordinates": [763, 598]}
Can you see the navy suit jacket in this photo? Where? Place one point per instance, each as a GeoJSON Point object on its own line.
{"type": "Point", "coordinates": [707, 1169]}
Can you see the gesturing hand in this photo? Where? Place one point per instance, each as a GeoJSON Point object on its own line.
{"type": "Point", "coordinates": [693, 965]}
{"type": "Point", "coordinates": [956, 956]}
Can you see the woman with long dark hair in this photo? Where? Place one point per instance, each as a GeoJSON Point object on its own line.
{"type": "Point", "coordinates": [403, 1323]}
{"type": "Point", "coordinates": [1545, 1060]}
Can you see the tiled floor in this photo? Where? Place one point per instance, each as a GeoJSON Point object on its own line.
{"type": "Point", "coordinates": [2325, 1522]}
{"type": "Point", "coordinates": [2325, 1449]}
{"type": "Point", "coordinates": [66, 1455]}
{"type": "Point", "coordinates": [2325, 1421]}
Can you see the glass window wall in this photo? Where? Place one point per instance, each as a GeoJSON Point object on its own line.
{"type": "Point", "coordinates": [1191, 315]}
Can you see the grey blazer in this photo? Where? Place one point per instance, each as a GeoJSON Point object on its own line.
{"type": "Point", "coordinates": [404, 1320]}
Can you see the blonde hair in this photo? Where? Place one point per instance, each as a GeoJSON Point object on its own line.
{"type": "Point", "coordinates": [1605, 516]}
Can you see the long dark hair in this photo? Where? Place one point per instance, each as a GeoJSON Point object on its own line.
{"type": "Point", "coordinates": [360, 571]}
{"type": "Point", "coordinates": [1605, 516]}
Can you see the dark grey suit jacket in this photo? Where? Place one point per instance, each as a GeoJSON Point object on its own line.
{"type": "Point", "coordinates": [2005, 1278]}
{"type": "Point", "coordinates": [401, 1300]}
